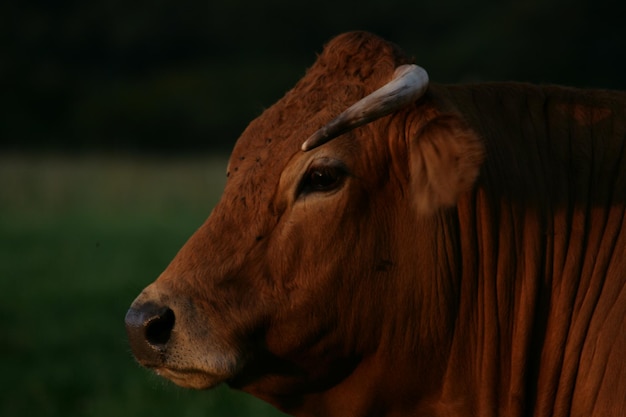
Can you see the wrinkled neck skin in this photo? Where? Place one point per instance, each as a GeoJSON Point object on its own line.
{"type": "Point", "coordinates": [542, 242]}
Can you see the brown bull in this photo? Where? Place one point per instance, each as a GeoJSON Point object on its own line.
{"type": "Point", "coordinates": [432, 251]}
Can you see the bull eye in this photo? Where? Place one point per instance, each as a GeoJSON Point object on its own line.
{"type": "Point", "coordinates": [321, 179]}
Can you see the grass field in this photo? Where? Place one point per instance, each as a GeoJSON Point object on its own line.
{"type": "Point", "coordinates": [79, 239]}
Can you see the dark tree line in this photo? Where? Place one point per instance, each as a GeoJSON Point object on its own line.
{"type": "Point", "coordinates": [189, 76]}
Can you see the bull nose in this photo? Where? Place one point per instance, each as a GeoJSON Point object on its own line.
{"type": "Point", "coordinates": [149, 327]}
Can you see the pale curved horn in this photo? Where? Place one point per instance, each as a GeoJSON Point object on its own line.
{"type": "Point", "coordinates": [408, 84]}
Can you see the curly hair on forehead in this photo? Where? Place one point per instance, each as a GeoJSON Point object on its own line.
{"type": "Point", "coordinates": [361, 54]}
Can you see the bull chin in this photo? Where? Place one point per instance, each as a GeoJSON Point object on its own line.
{"type": "Point", "coordinates": [190, 378]}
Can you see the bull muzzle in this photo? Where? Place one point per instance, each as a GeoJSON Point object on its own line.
{"type": "Point", "coordinates": [149, 328]}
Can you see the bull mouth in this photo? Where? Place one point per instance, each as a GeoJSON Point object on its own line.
{"type": "Point", "coordinates": [190, 378]}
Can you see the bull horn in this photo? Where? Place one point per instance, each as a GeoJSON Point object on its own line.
{"type": "Point", "coordinates": [408, 84]}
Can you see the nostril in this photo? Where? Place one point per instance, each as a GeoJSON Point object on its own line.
{"type": "Point", "coordinates": [149, 328]}
{"type": "Point", "coordinates": [159, 327]}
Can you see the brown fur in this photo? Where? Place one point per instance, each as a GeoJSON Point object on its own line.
{"type": "Point", "coordinates": [429, 282]}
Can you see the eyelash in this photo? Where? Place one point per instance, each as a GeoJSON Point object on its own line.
{"type": "Point", "coordinates": [321, 179]}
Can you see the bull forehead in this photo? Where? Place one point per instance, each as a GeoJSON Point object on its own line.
{"type": "Point", "coordinates": [350, 67]}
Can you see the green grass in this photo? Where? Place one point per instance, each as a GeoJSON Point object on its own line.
{"type": "Point", "coordinates": [79, 239]}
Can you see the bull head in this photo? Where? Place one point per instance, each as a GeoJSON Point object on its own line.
{"type": "Point", "coordinates": [279, 292]}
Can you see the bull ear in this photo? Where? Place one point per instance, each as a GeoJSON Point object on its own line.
{"type": "Point", "coordinates": [445, 160]}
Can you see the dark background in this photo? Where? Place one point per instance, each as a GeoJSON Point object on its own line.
{"type": "Point", "coordinates": [187, 76]}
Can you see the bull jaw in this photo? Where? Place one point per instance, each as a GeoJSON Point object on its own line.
{"type": "Point", "coordinates": [190, 378]}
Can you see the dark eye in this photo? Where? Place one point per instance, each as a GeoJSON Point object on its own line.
{"type": "Point", "coordinates": [321, 179]}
